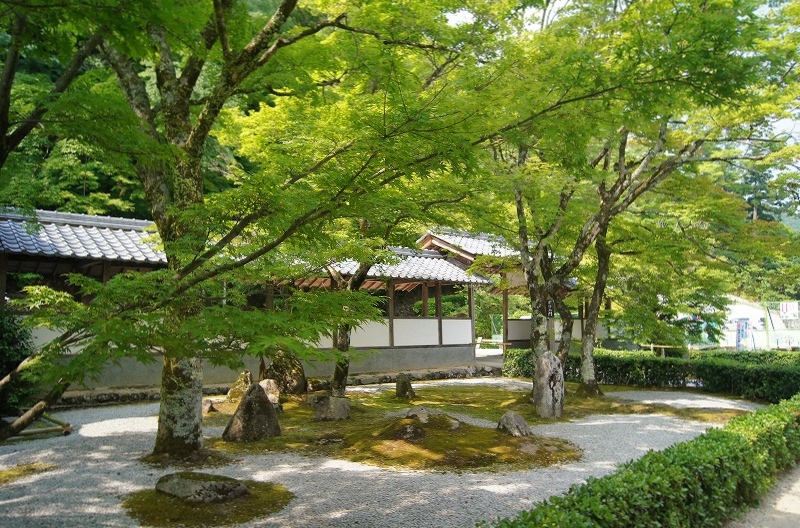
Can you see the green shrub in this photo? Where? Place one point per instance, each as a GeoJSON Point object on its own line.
{"type": "Point", "coordinates": [15, 345]}
{"type": "Point", "coordinates": [761, 357]}
{"type": "Point", "coordinates": [699, 483]}
{"type": "Point", "coordinates": [518, 363]}
{"type": "Point", "coordinates": [767, 382]}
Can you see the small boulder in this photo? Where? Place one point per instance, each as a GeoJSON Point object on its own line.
{"type": "Point", "coordinates": [208, 407]}
{"type": "Point", "coordinates": [254, 419]}
{"type": "Point", "coordinates": [514, 424]}
{"type": "Point", "coordinates": [273, 393]}
{"type": "Point", "coordinates": [201, 487]}
{"type": "Point", "coordinates": [288, 373]}
{"type": "Point", "coordinates": [403, 388]}
{"type": "Point", "coordinates": [422, 414]}
{"type": "Point", "coordinates": [328, 408]}
{"type": "Point", "coordinates": [240, 386]}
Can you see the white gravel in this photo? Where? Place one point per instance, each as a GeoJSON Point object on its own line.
{"type": "Point", "coordinates": [97, 467]}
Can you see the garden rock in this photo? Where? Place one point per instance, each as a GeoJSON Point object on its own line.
{"type": "Point", "coordinates": [514, 424]}
{"type": "Point", "coordinates": [208, 407]}
{"type": "Point", "coordinates": [273, 393]}
{"type": "Point", "coordinates": [328, 408]}
{"type": "Point", "coordinates": [403, 387]}
{"type": "Point", "coordinates": [240, 386]}
{"type": "Point", "coordinates": [287, 371]}
{"type": "Point", "coordinates": [201, 487]}
{"type": "Point", "coordinates": [254, 419]}
{"type": "Point", "coordinates": [548, 386]}
{"type": "Point", "coordinates": [422, 414]}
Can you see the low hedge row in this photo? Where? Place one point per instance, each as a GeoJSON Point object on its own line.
{"type": "Point", "coordinates": [700, 483]}
{"type": "Point", "coordinates": [764, 357]}
{"type": "Point", "coordinates": [769, 382]}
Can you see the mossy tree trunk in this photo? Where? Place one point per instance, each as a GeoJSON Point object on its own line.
{"type": "Point", "coordinates": [589, 385]}
{"type": "Point", "coordinates": [342, 334]}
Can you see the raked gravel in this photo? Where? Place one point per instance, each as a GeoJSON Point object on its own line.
{"type": "Point", "coordinates": [97, 466]}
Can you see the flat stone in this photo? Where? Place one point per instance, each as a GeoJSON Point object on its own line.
{"type": "Point", "coordinates": [201, 487]}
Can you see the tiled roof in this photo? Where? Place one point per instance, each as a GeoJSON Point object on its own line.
{"type": "Point", "coordinates": [415, 264]}
{"type": "Point", "coordinates": [480, 244]}
{"type": "Point", "coordinates": [71, 235]}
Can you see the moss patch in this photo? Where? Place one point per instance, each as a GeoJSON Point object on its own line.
{"type": "Point", "coordinates": [367, 435]}
{"type": "Point", "coordinates": [152, 508]}
{"type": "Point", "coordinates": [7, 476]}
{"type": "Point", "coordinates": [204, 458]}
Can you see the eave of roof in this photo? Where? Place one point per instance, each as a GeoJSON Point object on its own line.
{"type": "Point", "coordinates": [79, 236]}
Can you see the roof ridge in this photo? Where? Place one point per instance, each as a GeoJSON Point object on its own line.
{"type": "Point", "coordinates": [77, 219]}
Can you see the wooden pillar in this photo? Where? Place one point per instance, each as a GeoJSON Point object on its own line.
{"type": "Point", "coordinates": [505, 316]}
{"type": "Point", "coordinates": [471, 303]}
{"type": "Point", "coordinates": [390, 291]}
{"type": "Point", "coordinates": [106, 271]}
{"type": "Point", "coordinates": [424, 311]}
{"type": "Point", "coordinates": [439, 310]}
{"type": "Point", "coordinates": [3, 277]}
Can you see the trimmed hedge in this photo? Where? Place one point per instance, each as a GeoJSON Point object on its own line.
{"type": "Point", "coordinates": [639, 369]}
{"type": "Point", "coordinates": [768, 382]}
{"type": "Point", "coordinates": [699, 483]}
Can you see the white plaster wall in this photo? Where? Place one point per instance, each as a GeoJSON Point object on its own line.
{"type": "Point", "coordinates": [416, 332]}
{"type": "Point", "coordinates": [457, 332]}
{"type": "Point", "coordinates": [371, 334]}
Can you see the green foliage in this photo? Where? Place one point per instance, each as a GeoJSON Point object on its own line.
{"type": "Point", "coordinates": [770, 376]}
{"type": "Point", "coordinates": [768, 382]}
{"type": "Point", "coordinates": [518, 363]}
{"type": "Point", "coordinates": [16, 344]}
{"type": "Point", "coordinates": [703, 482]}
{"type": "Point", "coordinates": [633, 368]}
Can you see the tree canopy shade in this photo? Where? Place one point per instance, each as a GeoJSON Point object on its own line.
{"type": "Point", "coordinates": [329, 110]}
{"type": "Point", "coordinates": [659, 101]}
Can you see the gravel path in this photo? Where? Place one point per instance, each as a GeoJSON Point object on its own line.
{"type": "Point", "coordinates": [97, 466]}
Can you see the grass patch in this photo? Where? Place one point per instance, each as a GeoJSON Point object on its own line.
{"type": "Point", "coordinates": [7, 476]}
{"type": "Point", "coordinates": [152, 508]}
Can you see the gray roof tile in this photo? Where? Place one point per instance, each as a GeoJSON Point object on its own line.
{"type": "Point", "coordinates": [417, 265]}
{"type": "Point", "coordinates": [71, 235]}
{"type": "Point", "coordinates": [480, 244]}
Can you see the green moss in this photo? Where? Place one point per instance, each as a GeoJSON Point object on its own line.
{"type": "Point", "coordinates": [152, 508]}
{"type": "Point", "coordinates": [367, 435]}
{"type": "Point", "coordinates": [7, 476]}
{"type": "Point", "coordinates": [203, 458]}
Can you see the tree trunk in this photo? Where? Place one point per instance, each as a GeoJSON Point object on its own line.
{"type": "Point", "coordinates": [342, 368]}
{"type": "Point", "coordinates": [589, 386]}
{"type": "Point", "coordinates": [35, 412]}
{"type": "Point", "coordinates": [567, 323]}
{"type": "Point", "coordinates": [180, 418]}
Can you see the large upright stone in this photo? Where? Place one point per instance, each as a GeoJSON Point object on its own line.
{"type": "Point", "coordinates": [254, 419]}
{"type": "Point", "coordinates": [240, 386]}
{"type": "Point", "coordinates": [403, 388]}
{"type": "Point", "coordinates": [514, 424]}
{"type": "Point", "coordinates": [288, 373]}
{"type": "Point", "coordinates": [548, 386]}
